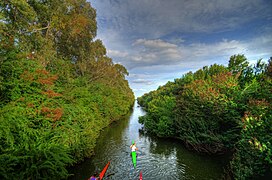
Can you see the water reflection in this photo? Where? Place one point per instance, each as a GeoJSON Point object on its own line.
{"type": "Point", "coordinates": [157, 158]}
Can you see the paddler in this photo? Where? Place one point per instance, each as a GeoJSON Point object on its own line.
{"type": "Point", "coordinates": [133, 147]}
{"type": "Point", "coordinates": [133, 153]}
{"type": "Point", "coordinates": [94, 177]}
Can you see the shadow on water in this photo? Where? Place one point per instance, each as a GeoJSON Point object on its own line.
{"type": "Point", "coordinates": [157, 158]}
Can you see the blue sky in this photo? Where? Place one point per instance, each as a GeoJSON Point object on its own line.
{"type": "Point", "coordinates": [160, 40]}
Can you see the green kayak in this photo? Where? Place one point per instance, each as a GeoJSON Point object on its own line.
{"type": "Point", "coordinates": [134, 158]}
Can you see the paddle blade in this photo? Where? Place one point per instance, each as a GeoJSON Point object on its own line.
{"type": "Point", "coordinates": [101, 175]}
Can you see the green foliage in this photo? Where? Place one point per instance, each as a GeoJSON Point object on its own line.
{"type": "Point", "coordinates": [237, 63]}
{"type": "Point", "coordinates": [253, 155]}
{"type": "Point", "coordinates": [58, 88]}
{"type": "Point", "coordinates": [28, 152]}
{"type": "Point", "coordinates": [268, 71]}
{"type": "Point", "coordinates": [206, 114]}
{"type": "Point", "coordinates": [159, 119]}
{"type": "Point", "coordinates": [207, 72]}
{"type": "Point", "coordinates": [217, 109]}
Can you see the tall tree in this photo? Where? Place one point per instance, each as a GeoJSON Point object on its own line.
{"type": "Point", "coordinates": [237, 63]}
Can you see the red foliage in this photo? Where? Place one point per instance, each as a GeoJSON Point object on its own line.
{"type": "Point", "coordinates": [45, 81]}
{"type": "Point", "coordinates": [57, 113]}
{"type": "Point", "coordinates": [21, 99]}
{"type": "Point", "coordinates": [30, 105]}
{"type": "Point", "coordinates": [45, 110]}
{"type": "Point", "coordinates": [26, 75]}
{"type": "Point", "coordinates": [203, 89]}
{"type": "Point", "coordinates": [225, 79]}
{"type": "Point", "coordinates": [42, 71]}
{"type": "Point", "coordinates": [81, 24]}
{"type": "Point", "coordinates": [51, 93]}
{"type": "Point", "coordinates": [48, 80]}
{"type": "Point", "coordinates": [256, 102]}
{"type": "Point", "coordinates": [43, 76]}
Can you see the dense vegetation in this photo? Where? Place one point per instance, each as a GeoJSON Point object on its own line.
{"type": "Point", "coordinates": [58, 88]}
{"type": "Point", "coordinates": [218, 109]}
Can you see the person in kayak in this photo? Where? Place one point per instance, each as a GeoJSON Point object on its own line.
{"type": "Point", "coordinates": [94, 177]}
{"type": "Point", "coordinates": [134, 153]}
{"type": "Point", "coordinates": [133, 147]}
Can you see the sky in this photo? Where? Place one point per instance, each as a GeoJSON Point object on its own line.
{"type": "Point", "coordinates": [161, 40]}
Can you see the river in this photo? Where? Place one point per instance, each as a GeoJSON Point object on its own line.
{"type": "Point", "coordinates": [157, 158]}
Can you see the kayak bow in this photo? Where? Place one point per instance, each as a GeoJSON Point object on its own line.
{"type": "Point", "coordinates": [101, 175]}
{"type": "Point", "coordinates": [141, 175]}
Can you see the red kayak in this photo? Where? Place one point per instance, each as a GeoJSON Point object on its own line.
{"type": "Point", "coordinates": [101, 175]}
{"type": "Point", "coordinates": [141, 176]}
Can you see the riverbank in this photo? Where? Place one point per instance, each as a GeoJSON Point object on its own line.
{"type": "Point", "coordinates": [218, 109]}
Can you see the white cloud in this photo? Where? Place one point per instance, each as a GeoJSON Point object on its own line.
{"type": "Point", "coordinates": [142, 81]}
{"type": "Point", "coordinates": [161, 53]}
{"type": "Point", "coordinates": [155, 44]}
{"type": "Point", "coordinates": [136, 58]}
{"type": "Point", "coordinates": [222, 48]}
{"type": "Point", "coordinates": [153, 52]}
{"type": "Point", "coordinates": [116, 53]}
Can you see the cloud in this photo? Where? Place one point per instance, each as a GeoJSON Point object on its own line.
{"type": "Point", "coordinates": [259, 47]}
{"type": "Point", "coordinates": [142, 81]}
{"type": "Point", "coordinates": [156, 52]}
{"type": "Point", "coordinates": [195, 55]}
{"type": "Point", "coordinates": [155, 44]}
{"type": "Point", "coordinates": [152, 33]}
{"type": "Point", "coordinates": [160, 40]}
{"type": "Point", "coordinates": [157, 18]}
{"type": "Point", "coordinates": [164, 54]}
{"type": "Point", "coordinates": [223, 48]}
{"type": "Point", "coordinates": [116, 53]}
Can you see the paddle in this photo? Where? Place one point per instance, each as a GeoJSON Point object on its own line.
{"type": "Point", "coordinates": [101, 175]}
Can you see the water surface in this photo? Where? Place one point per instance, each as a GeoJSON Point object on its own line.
{"type": "Point", "coordinates": [157, 158]}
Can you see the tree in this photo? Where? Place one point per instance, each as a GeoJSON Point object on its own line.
{"type": "Point", "coordinates": [237, 63]}
{"type": "Point", "coordinates": [51, 108]}
{"type": "Point", "coordinates": [269, 68]}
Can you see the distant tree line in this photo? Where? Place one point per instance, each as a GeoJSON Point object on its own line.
{"type": "Point", "coordinates": [218, 109]}
{"type": "Point", "coordinates": [58, 88]}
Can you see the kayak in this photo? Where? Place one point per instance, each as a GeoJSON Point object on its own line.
{"type": "Point", "coordinates": [134, 158]}
{"type": "Point", "coordinates": [101, 175]}
{"type": "Point", "coordinates": [141, 176]}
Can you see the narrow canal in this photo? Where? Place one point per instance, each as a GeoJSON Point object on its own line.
{"type": "Point", "coordinates": [157, 158]}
